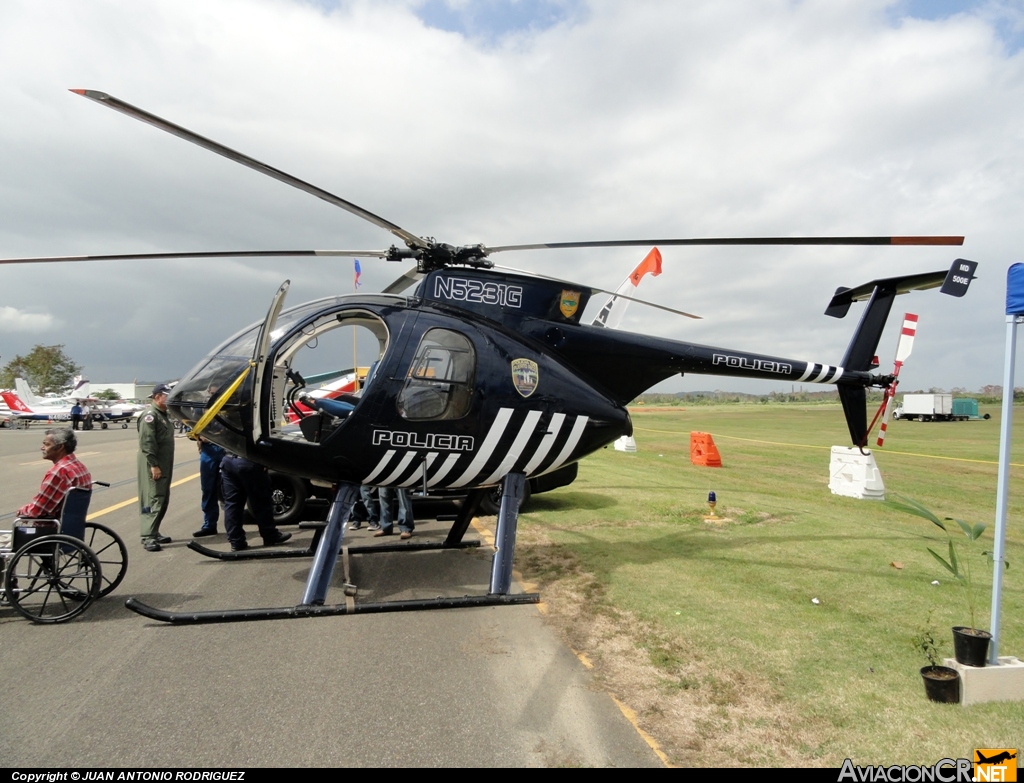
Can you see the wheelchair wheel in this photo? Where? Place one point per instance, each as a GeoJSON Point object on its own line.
{"type": "Point", "coordinates": [111, 553]}
{"type": "Point", "coordinates": [52, 579]}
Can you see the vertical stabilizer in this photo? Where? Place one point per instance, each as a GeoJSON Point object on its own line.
{"type": "Point", "coordinates": [15, 404]}
{"type": "Point", "coordinates": [81, 388]}
{"type": "Point", "coordinates": [864, 345]}
{"type": "Point", "coordinates": [24, 392]}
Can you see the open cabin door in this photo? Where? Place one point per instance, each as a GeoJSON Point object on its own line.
{"type": "Point", "coordinates": [261, 413]}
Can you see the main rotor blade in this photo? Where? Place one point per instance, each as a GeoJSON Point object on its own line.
{"type": "Point", "coordinates": [205, 254]}
{"type": "Point", "coordinates": [403, 282]}
{"type": "Point", "coordinates": [184, 133]}
{"type": "Point", "coordinates": [922, 240]}
{"type": "Point", "coordinates": [601, 291]}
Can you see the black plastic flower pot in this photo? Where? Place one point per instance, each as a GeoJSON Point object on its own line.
{"type": "Point", "coordinates": [941, 684]}
{"type": "Point", "coordinates": [970, 646]}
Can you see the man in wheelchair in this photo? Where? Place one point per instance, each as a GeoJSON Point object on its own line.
{"type": "Point", "coordinates": [59, 448]}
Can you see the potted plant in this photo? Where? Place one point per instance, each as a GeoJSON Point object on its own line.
{"type": "Point", "coordinates": [970, 645]}
{"type": "Point", "coordinates": [941, 683]}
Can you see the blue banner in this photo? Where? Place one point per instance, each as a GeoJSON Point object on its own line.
{"type": "Point", "coordinates": [1015, 290]}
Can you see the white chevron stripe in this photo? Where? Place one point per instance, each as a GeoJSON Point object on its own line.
{"type": "Point", "coordinates": [402, 467]}
{"type": "Point", "coordinates": [825, 370]}
{"type": "Point", "coordinates": [486, 448]}
{"type": "Point", "coordinates": [444, 470]}
{"type": "Point", "coordinates": [546, 443]}
{"type": "Point", "coordinates": [574, 438]}
{"type": "Point", "coordinates": [525, 433]}
{"type": "Point", "coordinates": [810, 367]}
{"type": "Point", "coordinates": [837, 376]}
{"type": "Point", "coordinates": [417, 476]}
{"type": "Point", "coordinates": [380, 466]}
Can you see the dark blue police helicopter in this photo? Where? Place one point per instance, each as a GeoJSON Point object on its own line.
{"type": "Point", "coordinates": [480, 378]}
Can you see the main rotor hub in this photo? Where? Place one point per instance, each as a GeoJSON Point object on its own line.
{"type": "Point", "coordinates": [440, 255]}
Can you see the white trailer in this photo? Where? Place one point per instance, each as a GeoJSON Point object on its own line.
{"type": "Point", "coordinates": [925, 407]}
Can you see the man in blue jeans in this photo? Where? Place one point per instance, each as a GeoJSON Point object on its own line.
{"type": "Point", "coordinates": [210, 455]}
{"type": "Point", "coordinates": [368, 495]}
{"type": "Point", "coordinates": [405, 520]}
{"type": "Point", "coordinates": [243, 481]}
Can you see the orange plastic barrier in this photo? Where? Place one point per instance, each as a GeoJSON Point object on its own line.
{"type": "Point", "coordinates": [703, 450]}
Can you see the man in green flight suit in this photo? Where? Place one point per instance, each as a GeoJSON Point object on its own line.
{"type": "Point", "coordinates": [155, 463]}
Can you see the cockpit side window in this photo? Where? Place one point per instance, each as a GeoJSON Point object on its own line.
{"type": "Point", "coordinates": [441, 378]}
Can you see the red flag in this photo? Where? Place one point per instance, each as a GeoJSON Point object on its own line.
{"type": "Point", "coordinates": [651, 264]}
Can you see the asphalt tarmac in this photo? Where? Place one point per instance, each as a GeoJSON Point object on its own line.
{"type": "Point", "coordinates": [466, 687]}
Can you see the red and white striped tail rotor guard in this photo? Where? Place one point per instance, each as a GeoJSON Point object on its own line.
{"type": "Point", "coordinates": [903, 349]}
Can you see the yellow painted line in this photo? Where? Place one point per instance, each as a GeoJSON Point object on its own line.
{"type": "Point", "coordinates": [108, 509]}
{"type": "Point", "coordinates": [530, 587]}
{"type": "Point", "coordinates": [584, 658]}
{"type": "Point", "coordinates": [37, 461]}
{"type": "Point", "coordinates": [630, 715]}
{"type": "Point", "coordinates": [484, 533]}
{"type": "Point", "coordinates": [533, 587]}
{"type": "Point", "coordinates": [135, 499]}
{"type": "Point", "coordinates": [828, 448]}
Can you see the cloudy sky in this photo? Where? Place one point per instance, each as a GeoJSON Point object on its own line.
{"type": "Point", "coordinates": [506, 122]}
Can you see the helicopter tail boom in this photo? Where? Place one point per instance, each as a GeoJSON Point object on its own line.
{"type": "Point", "coordinates": [642, 361]}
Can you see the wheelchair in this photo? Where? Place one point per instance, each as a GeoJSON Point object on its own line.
{"type": "Point", "coordinates": [53, 569]}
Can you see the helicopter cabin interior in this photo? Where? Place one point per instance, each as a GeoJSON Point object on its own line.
{"type": "Point", "coordinates": [438, 384]}
{"type": "Point", "coordinates": [315, 348]}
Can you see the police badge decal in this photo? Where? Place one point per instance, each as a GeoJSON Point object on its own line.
{"type": "Point", "coordinates": [568, 302]}
{"type": "Point", "coordinates": [525, 376]}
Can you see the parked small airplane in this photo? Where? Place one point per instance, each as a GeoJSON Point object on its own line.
{"type": "Point", "coordinates": [59, 409]}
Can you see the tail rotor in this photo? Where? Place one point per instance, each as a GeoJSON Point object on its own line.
{"type": "Point", "coordinates": [903, 349]}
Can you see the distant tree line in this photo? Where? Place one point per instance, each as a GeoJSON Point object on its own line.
{"type": "Point", "coordinates": [46, 367]}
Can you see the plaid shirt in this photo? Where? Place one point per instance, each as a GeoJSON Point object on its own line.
{"type": "Point", "coordinates": [67, 472]}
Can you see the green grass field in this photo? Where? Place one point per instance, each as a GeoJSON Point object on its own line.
{"type": "Point", "coordinates": [708, 631]}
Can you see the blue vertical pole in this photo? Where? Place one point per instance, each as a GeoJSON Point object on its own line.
{"type": "Point", "coordinates": [1003, 484]}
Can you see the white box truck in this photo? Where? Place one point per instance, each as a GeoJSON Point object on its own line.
{"type": "Point", "coordinates": [925, 407]}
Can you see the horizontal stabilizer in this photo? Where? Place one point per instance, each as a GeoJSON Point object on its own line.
{"type": "Point", "coordinates": [959, 277]}
{"type": "Point", "coordinates": [953, 282]}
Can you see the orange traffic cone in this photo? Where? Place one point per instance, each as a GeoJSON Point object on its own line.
{"type": "Point", "coordinates": [703, 450]}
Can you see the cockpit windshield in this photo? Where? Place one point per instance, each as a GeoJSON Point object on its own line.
{"type": "Point", "coordinates": [241, 345]}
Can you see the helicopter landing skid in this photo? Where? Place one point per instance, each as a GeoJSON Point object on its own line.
{"type": "Point", "coordinates": [306, 610]}
{"type": "Point", "coordinates": [283, 554]}
{"type": "Point", "coordinates": [326, 557]}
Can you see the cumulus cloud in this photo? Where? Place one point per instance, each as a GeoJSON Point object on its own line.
{"type": "Point", "coordinates": [15, 320]}
{"type": "Point", "coordinates": [602, 120]}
